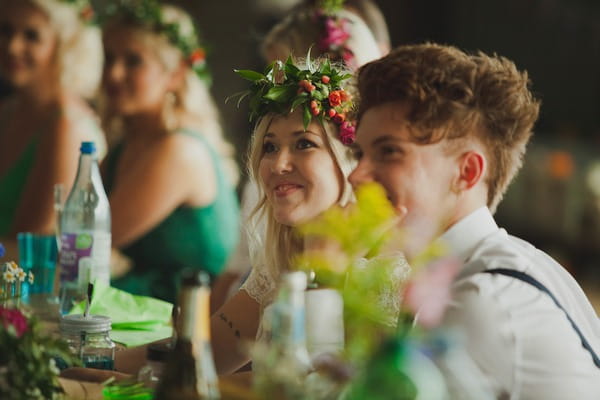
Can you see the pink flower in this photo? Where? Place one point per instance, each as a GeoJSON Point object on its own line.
{"type": "Point", "coordinates": [428, 293]}
{"type": "Point", "coordinates": [347, 133]}
{"type": "Point", "coordinates": [336, 33]}
{"type": "Point", "coordinates": [14, 318]}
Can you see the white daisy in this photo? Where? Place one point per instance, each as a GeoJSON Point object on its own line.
{"type": "Point", "coordinates": [21, 275]}
{"type": "Point", "coordinates": [8, 276]}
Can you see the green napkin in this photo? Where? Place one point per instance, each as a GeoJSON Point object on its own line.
{"type": "Point", "coordinates": [136, 320]}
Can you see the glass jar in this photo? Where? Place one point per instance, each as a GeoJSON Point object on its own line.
{"type": "Point", "coordinates": [156, 356]}
{"type": "Point", "coordinates": [88, 339]}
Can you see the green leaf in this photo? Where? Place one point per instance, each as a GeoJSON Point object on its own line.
{"type": "Point", "coordinates": [306, 117]}
{"type": "Point", "coordinates": [309, 63]}
{"type": "Point", "coordinates": [290, 69]}
{"type": "Point", "coordinates": [299, 100]}
{"type": "Point", "coordinates": [250, 75]}
{"type": "Point", "coordinates": [241, 96]}
{"type": "Point", "coordinates": [317, 95]}
{"type": "Point", "coordinates": [326, 68]}
{"type": "Point", "coordinates": [280, 94]}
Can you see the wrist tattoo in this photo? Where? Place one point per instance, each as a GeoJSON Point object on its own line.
{"type": "Point", "coordinates": [229, 323]}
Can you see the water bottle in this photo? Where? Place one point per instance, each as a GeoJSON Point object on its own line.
{"type": "Point", "coordinates": [281, 372]}
{"type": "Point", "coordinates": [85, 238]}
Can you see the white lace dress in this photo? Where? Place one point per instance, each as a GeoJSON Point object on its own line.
{"type": "Point", "coordinates": [261, 285]}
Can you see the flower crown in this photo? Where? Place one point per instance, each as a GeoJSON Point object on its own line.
{"type": "Point", "coordinates": [334, 31]}
{"type": "Point", "coordinates": [284, 87]}
{"type": "Point", "coordinates": [84, 9]}
{"type": "Point", "coordinates": [149, 13]}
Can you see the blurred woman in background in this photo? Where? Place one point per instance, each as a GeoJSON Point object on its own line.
{"type": "Point", "coordinates": [51, 58]}
{"type": "Point", "coordinates": [169, 175]}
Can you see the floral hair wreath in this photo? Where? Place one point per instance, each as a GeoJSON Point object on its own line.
{"type": "Point", "coordinates": [284, 87]}
{"type": "Point", "coordinates": [334, 31]}
{"type": "Point", "coordinates": [84, 9]}
{"type": "Point", "coordinates": [148, 13]}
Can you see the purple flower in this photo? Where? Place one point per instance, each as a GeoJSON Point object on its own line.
{"type": "Point", "coordinates": [2, 251]}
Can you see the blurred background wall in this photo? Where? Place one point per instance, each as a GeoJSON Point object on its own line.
{"type": "Point", "coordinates": [555, 201]}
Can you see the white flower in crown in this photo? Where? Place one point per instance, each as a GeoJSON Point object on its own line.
{"type": "Point", "coordinates": [21, 275]}
{"type": "Point", "coordinates": [30, 277]}
{"type": "Point", "coordinates": [8, 276]}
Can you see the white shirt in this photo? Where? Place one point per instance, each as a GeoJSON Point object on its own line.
{"type": "Point", "coordinates": [522, 342]}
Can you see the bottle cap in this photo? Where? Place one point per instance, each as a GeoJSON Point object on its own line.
{"type": "Point", "coordinates": [87, 147]}
{"type": "Point", "coordinates": [77, 323]}
{"type": "Point", "coordinates": [295, 280]}
{"type": "Point", "coordinates": [192, 277]}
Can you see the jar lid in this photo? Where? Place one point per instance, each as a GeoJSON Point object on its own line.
{"type": "Point", "coordinates": [158, 351]}
{"type": "Point", "coordinates": [78, 323]}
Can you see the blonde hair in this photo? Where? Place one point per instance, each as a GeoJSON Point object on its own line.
{"type": "Point", "coordinates": [191, 98]}
{"type": "Point", "coordinates": [79, 51]}
{"type": "Point", "coordinates": [298, 33]}
{"type": "Point", "coordinates": [277, 246]}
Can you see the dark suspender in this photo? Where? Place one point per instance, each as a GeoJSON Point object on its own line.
{"type": "Point", "coordinates": [532, 281]}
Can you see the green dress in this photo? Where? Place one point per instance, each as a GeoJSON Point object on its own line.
{"type": "Point", "coordinates": [199, 238]}
{"type": "Point", "coordinates": [12, 182]}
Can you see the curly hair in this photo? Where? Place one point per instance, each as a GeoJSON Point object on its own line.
{"type": "Point", "coordinates": [452, 95]}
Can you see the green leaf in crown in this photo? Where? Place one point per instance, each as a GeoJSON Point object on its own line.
{"type": "Point", "coordinates": [318, 89]}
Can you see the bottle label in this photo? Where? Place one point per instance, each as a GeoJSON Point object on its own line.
{"type": "Point", "coordinates": [195, 314]}
{"type": "Point", "coordinates": [77, 246]}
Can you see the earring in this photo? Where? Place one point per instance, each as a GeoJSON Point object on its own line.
{"type": "Point", "coordinates": [169, 112]}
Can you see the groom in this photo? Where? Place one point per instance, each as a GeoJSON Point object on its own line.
{"type": "Point", "coordinates": [444, 132]}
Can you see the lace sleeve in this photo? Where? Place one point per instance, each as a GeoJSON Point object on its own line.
{"type": "Point", "coordinates": [390, 297]}
{"type": "Point", "coordinates": [260, 285]}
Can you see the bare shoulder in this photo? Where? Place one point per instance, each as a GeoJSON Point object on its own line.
{"type": "Point", "coordinates": [185, 149]}
{"type": "Point", "coordinates": [66, 113]}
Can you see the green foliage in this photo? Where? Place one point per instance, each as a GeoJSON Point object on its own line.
{"type": "Point", "coordinates": [27, 366]}
{"type": "Point", "coordinates": [355, 231]}
{"type": "Point", "coordinates": [283, 87]}
{"type": "Point", "coordinates": [330, 6]}
{"type": "Point", "coordinates": [360, 229]}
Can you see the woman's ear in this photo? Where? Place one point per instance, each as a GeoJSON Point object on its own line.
{"type": "Point", "coordinates": [471, 169]}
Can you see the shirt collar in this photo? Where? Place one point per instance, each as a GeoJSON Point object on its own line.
{"type": "Point", "coordinates": [463, 237]}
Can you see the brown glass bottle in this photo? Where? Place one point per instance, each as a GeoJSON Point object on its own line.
{"type": "Point", "coordinates": [190, 370]}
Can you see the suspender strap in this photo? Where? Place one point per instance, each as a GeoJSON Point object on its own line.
{"type": "Point", "coordinates": [532, 281]}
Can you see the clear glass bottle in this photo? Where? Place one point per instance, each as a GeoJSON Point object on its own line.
{"type": "Point", "coordinates": [190, 372]}
{"type": "Point", "coordinates": [156, 357]}
{"type": "Point", "coordinates": [89, 339]}
{"type": "Point", "coordinates": [84, 230]}
{"type": "Point", "coordinates": [282, 371]}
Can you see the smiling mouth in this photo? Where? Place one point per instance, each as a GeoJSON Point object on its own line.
{"type": "Point", "coordinates": [286, 189]}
